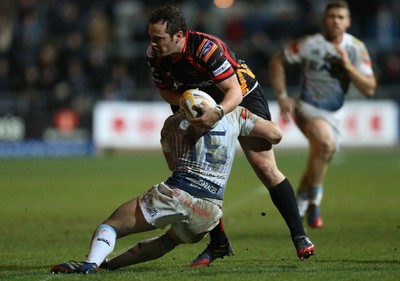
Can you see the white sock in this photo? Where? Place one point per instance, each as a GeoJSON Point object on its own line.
{"type": "Point", "coordinates": [302, 202]}
{"type": "Point", "coordinates": [317, 193]}
{"type": "Point", "coordinates": [102, 245]}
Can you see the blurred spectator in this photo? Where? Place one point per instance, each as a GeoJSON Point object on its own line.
{"type": "Point", "coordinates": [6, 32]}
{"type": "Point", "coordinates": [29, 36]}
{"type": "Point", "coordinates": [384, 26]}
{"type": "Point", "coordinates": [95, 48]}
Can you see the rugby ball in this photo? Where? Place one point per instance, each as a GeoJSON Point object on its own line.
{"type": "Point", "coordinates": [192, 102]}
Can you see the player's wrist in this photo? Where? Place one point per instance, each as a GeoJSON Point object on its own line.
{"type": "Point", "coordinates": [282, 95]}
{"type": "Point", "coordinates": [220, 111]}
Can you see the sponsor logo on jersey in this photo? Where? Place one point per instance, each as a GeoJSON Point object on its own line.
{"type": "Point", "coordinates": [206, 49]}
{"type": "Point", "coordinates": [198, 85]}
{"type": "Point", "coordinates": [226, 65]}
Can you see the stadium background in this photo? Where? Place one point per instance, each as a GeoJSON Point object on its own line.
{"type": "Point", "coordinates": [59, 59]}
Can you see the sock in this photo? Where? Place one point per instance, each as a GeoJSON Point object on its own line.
{"type": "Point", "coordinates": [302, 202]}
{"type": "Point", "coordinates": [317, 193]}
{"type": "Point", "coordinates": [217, 234]}
{"type": "Point", "coordinates": [102, 244]}
{"type": "Point", "coordinates": [145, 250]}
{"type": "Point", "coordinates": [283, 197]}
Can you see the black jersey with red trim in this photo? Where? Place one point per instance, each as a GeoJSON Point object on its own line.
{"type": "Point", "coordinates": [205, 61]}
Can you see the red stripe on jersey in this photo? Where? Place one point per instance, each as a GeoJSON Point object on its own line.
{"type": "Point", "coordinates": [294, 47]}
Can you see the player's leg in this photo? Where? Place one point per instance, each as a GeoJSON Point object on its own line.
{"type": "Point", "coordinates": [145, 250]}
{"type": "Point", "coordinates": [261, 157]}
{"type": "Point", "coordinates": [219, 247]}
{"type": "Point", "coordinates": [127, 219]}
{"type": "Point", "coordinates": [322, 147]}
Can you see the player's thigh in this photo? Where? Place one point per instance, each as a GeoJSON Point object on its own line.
{"type": "Point", "coordinates": [261, 157]}
{"type": "Point", "coordinates": [319, 133]}
{"type": "Point", "coordinates": [128, 218]}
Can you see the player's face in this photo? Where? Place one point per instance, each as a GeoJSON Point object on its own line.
{"type": "Point", "coordinates": [336, 22]}
{"type": "Point", "coordinates": [161, 42]}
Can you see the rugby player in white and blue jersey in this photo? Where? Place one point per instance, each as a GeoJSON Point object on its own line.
{"type": "Point", "coordinates": [330, 61]}
{"type": "Point", "coordinates": [189, 201]}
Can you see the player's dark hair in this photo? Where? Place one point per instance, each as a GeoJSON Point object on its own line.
{"type": "Point", "coordinates": [172, 16]}
{"type": "Point", "coordinates": [337, 4]}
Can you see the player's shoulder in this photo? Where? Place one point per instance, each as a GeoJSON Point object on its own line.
{"type": "Point", "coordinates": [306, 42]}
{"type": "Point", "coordinates": [173, 120]}
{"type": "Point", "coordinates": [312, 39]}
{"type": "Point", "coordinates": [350, 39]}
{"type": "Point", "coordinates": [201, 45]}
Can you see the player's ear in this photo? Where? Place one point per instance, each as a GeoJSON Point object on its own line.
{"type": "Point", "coordinates": [178, 36]}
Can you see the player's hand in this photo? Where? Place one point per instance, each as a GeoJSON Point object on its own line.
{"type": "Point", "coordinates": [343, 56]}
{"type": "Point", "coordinates": [209, 116]}
{"type": "Point", "coordinates": [287, 106]}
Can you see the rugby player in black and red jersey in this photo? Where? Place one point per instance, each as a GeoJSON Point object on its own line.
{"type": "Point", "coordinates": [182, 59]}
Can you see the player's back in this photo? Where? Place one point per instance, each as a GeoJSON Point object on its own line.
{"type": "Point", "coordinates": [204, 159]}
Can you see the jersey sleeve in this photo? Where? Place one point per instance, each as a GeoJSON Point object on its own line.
{"type": "Point", "coordinates": [363, 60]}
{"type": "Point", "coordinates": [212, 55]}
{"type": "Point", "coordinates": [292, 51]}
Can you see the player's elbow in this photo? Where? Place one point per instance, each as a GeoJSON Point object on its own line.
{"type": "Point", "coordinates": [370, 91]}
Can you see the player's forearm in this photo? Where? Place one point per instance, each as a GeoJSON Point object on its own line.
{"type": "Point", "coordinates": [233, 94]}
{"type": "Point", "coordinates": [366, 84]}
{"type": "Point", "coordinates": [170, 96]}
{"type": "Point", "coordinates": [276, 73]}
{"type": "Point", "coordinates": [231, 100]}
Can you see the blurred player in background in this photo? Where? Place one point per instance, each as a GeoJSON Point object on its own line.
{"type": "Point", "coordinates": [190, 200]}
{"type": "Point", "coordinates": [330, 61]}
{"type": "Point", "coordinates": [180, 59]}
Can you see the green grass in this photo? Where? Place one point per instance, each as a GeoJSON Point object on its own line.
{"type": "Point", "coordinates": [50, 207]}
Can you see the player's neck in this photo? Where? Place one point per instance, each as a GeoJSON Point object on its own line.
{"type": "Point", "coordinates": [336, 39]}
{"type": "Point", "coordinates": [179, 48]}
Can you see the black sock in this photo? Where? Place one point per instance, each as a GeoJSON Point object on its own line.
{"type": "Point", "coordinates": [217, 234]}
{"type": "Point", "coordinates": [285, 201]}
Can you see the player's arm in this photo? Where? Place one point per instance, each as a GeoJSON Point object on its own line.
{"type": "Point", "coordinates": [276, 73]}
{"type": "Point", "coordinates": [267, 130]}
{"type": "Point", "coordinates": [232, 98]}
{"type": "Point", "coordinates": [170, 96]}
{"type": "Point", "coordinates": [366, 84]}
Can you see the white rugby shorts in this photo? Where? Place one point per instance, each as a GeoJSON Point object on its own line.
{"type": "Point", "coordinates": [334, 118]}
{"type": "Point", "coordinates": [190, 217]}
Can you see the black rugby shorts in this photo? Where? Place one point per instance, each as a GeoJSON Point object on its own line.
{"type": "Point", "coordinates": [257, 103]}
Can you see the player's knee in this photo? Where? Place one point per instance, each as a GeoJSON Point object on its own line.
{"type": "Point", "coordinates": [326, 149]}
{"type": "Point", "coordinates": [268, 173]}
